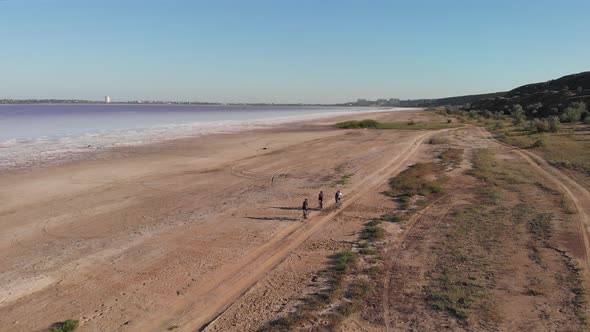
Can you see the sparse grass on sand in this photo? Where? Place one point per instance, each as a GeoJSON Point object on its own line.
{"type": "Point", "coordinates": [409, 125]}
{"type": "Point", "coordinates": [342, 296]}
{"type": "Point", "coordinates": [419, 184]}
{"type": "Point", "coordinates": [418, 179]}
{"type": "Point", "coordinates": [348, 286]}
{"type": "Point", "coordinates": [568, 148]}
{"type": "Point", "coordinates": [466, 276]}
{"type": "Point", "coordinates": [344, 179]}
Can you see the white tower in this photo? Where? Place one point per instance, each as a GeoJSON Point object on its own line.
{"type": "Point", "coordinates": [107, 99]}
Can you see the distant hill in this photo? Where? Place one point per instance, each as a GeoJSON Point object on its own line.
{"type": "Point", "coordinates": [573, 82]}
{"type": "Point", "coordinates": [432, 102]}
{"type": "Point", "coordinates": [542, 99]}
{"type": "Point", "coordinates": [462, 100]}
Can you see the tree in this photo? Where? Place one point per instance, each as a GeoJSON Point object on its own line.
{"type": "Point", "coordinates": [517, 111]}
{"type": "Point", "coordinates": [575, 112]}
{"type": "Point", "coordinates": [517, 115]}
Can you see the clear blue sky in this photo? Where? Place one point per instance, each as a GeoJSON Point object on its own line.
{"type": "Point", "coordinates": [285, 51]}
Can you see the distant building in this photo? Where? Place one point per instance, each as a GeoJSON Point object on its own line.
{"type": "Point", "coordinates": [107, 99]}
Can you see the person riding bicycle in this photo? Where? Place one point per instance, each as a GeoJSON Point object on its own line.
{"type": "Point", "coordinates": [305, 209]}
{"type": "Point", "coordinates": [338, 198]}
{"type": "Point", "coordinates": [321, 199]}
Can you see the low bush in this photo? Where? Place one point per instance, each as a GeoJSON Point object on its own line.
{"type": "Point", "coordinates": [554, 124]}
{"type": "Point", "coordinates": [69, 325]}
{"type": "Point", "coordinates": [373, 233]}
{"type": "Point", "coordinates": [345, 261]}
{"type": "Point", "coordinates": [575, 112]}
{"type": "Point", "coordinates": [550, 124]}
{"type": "Point", "coordinates": [358, 124]}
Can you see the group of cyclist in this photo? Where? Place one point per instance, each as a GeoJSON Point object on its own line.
{"type": "Point", "coordinates": [337, 198]}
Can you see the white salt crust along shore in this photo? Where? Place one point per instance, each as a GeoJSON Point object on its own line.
{"type": "Point", "coordinates": [18, 155]}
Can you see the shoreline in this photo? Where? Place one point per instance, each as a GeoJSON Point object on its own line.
{"type": "Point", "coordinates": [93, 153]}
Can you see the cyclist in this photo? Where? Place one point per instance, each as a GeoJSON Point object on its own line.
{"type": "Point", "coordinates": [305, 209]}
{"type": "Point", "coordinates": [338, 198]}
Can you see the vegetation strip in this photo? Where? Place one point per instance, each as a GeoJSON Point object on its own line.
{"type": "Point", "coordinates": [465, 275]}
{"type": "Point", "coordinates": [410, 125]}
{"type": "Point", "coordinates": [562, 136]}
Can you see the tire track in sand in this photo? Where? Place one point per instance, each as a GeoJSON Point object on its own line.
{"type": "Point", "coordinates": [412, 223]}
{"type": "Point", "coordinates": [202, 305]}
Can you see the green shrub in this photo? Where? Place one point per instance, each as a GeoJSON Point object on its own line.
{"type": "Point", "coordinates": [550, 124]}
{"type": "Point", "coordinates": [435, 188]}
{"type": "Point", "coordinates": [69, 325]}
{"type": "Point", "coordinates": [553, 124]}
{"type": "Point", "coordinates": [373, 233]}
{"type": "Point", "coordinates": [517, 111]}
{"type": "Point", "coordinates": [344, 261]}
{"type": "Point", "coordinates": [358, 124]}
{"type": "Point", "coordinates": [574, 112]}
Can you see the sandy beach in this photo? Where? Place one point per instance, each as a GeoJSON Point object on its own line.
{"type": "Point", "coordinates": [172, 234]}
{"type": "Point", "coordinates": [207, 233]}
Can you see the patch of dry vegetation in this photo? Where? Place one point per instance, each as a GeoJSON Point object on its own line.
{"type": "Point", "coordinates": [346, 288]}
{"type": "Point", "coordinates": [420, 184]}
{"type": "Point", "coordinates": [466, 273]}
{"type": "Point", "coordinates": [567, 147]}
{"type": "Point", "coordinates": [350, 282]}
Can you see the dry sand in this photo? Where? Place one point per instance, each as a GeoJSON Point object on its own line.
{"type": "Point", "coordinates": [207, 234]}
{"type": "Point", "coordinates": [173, 234]}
